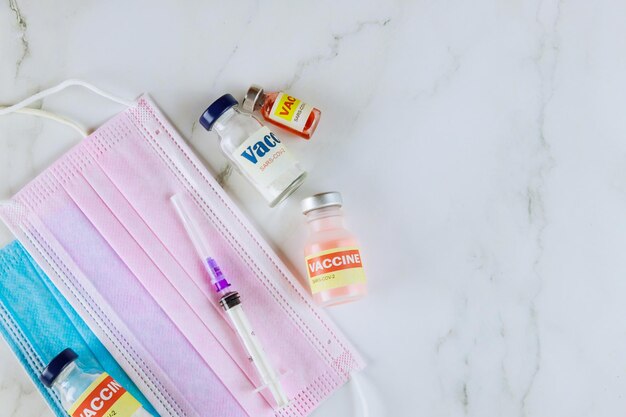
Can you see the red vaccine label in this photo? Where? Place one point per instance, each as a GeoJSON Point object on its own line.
{"type": "Point", "coordinates": [105, 397]}
{"type": "Point", "coordinates": [334, 268]}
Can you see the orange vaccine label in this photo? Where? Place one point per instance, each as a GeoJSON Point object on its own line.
{"type": "Point", "coordinates": [335, 268]}
{"type": "Point", "coordinates": [105, 397]}
{"type": "Point", "coordinates": [290, 111]}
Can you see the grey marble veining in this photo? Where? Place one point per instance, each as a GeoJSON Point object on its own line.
{"type": "Point", "coordinates": [479, 147]}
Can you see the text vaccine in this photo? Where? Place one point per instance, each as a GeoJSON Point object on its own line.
{"type": "Point", "coordinates": [88, 393]}
{"type": "Point", "coordinates": [332, 255]}
{"type": "Point", "coordinates": [283, 110]}
{"type": "Point", "coordinates": [256, 152]}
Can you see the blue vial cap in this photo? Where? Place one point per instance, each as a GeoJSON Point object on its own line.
{"type": "Point", "coordinates": [216, 109]}
{"type": "Point", "coordinates": [56, 366]}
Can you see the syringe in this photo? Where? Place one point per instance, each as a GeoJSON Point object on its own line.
{"type": "Point", "coordinates": [231, 303]}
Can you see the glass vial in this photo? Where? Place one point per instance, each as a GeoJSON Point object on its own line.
{"type": "Point", "coordinates": [255, 151]}
{"type": "Point", "coordinates": [332, 256]}
{"type": "Point", "coordinates": [283, 110]}
{"type": "Point", "coordinates": [88, 392]}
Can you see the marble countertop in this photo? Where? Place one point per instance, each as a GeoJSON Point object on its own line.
{"type": "Point", "coordinates": [479, 147]}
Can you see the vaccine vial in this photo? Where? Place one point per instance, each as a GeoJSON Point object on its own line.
{"type": "Point", "coordinates": [256, 152]}
{"type": "Point", "coordinates": [88, 392]}
{"type": "Point", "coordinates": [332, 256]}
{"type": "Point", "coordinates": [283, 110]}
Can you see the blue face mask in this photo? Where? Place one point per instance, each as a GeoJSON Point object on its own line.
{"type": "Point", "coordinates": [38, 323]}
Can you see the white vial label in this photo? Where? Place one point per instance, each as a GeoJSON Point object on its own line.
{"type": "Point", "coordinates": [263, 157]}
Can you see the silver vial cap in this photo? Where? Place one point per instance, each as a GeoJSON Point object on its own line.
{"type": "Point", "coordinates": [253, 100]}
{"type": "Point", "coordinates": [321, 200]}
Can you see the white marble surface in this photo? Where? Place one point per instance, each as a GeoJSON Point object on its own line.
{"type": "Point", "coordinates": [480, 147]}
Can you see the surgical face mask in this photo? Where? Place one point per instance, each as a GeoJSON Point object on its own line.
{"type": "Point", "coordinates": [101, 224]}
{"type": "Point", "coordinates": [38, 323]}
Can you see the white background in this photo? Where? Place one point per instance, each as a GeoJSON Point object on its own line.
{"type": "Point", "coordinates": [480, 148]}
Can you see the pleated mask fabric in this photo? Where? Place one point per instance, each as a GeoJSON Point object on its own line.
{"type": "Point", "coordinates": [101, 224]}
{"type": "Point", "coordinates": [38, 323]}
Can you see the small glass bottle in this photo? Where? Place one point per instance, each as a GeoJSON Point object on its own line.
{"type": "Point", "coordinates": [283, 110]}
{"type": "Point", "coordinates": [332, 256]}
{"type": "Point", "coordinates": [255, 151]}
{"type": "Point", "coordinates": [88, 392]}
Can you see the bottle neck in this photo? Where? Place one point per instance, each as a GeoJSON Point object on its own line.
{"type": "Point", "coordinates": [221, 123]}
{"type": "Point", "coordinates": [260, 102]}
{"type": "Point", "coordinates": [328, 218]}
{"type": "Point", "coordinates": [67, 374]}
{"type": "Point", "coordinates": [73, 382]}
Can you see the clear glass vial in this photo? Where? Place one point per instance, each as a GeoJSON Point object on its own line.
{"type": "Point", "coordinates": [332, 255]}
{"type": "Point", "coordinates": [256, 152]}
{"type": "Point", "coordinates": [283, 110]}
{"type": "Point", "coordinates": [88, 392]}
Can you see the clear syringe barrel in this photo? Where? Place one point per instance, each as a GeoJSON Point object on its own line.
{"type": "Point", "coordinates": [269, 378]}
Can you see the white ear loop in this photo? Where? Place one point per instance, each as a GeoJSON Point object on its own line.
{"type": "Point", "coordinates": [67, 83]}
{"type": "Point", "coordinates": [51, 116]}
{"type": "Point", "coordinates": [358, 396]}
{"type": "Point", "coordinates": [22, 109]}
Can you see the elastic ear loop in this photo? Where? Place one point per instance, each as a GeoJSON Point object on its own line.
{"type": "Point", "coordinates": [62, 86]}
{"type": "Point", "coordinates": [51, 116]}
{"type": "Point", "coordinates": [358, 396]}
{"type": "Point", "coordinates": [22, 109]}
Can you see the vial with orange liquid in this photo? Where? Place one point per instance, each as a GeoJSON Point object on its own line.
{"type": "Point", "coordinates": [283, 110]}
{"type": "Point", "coordinates": [332, 255]}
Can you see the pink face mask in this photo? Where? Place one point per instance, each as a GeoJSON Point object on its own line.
{"type": "Point", "coordinates": [101, 225]}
